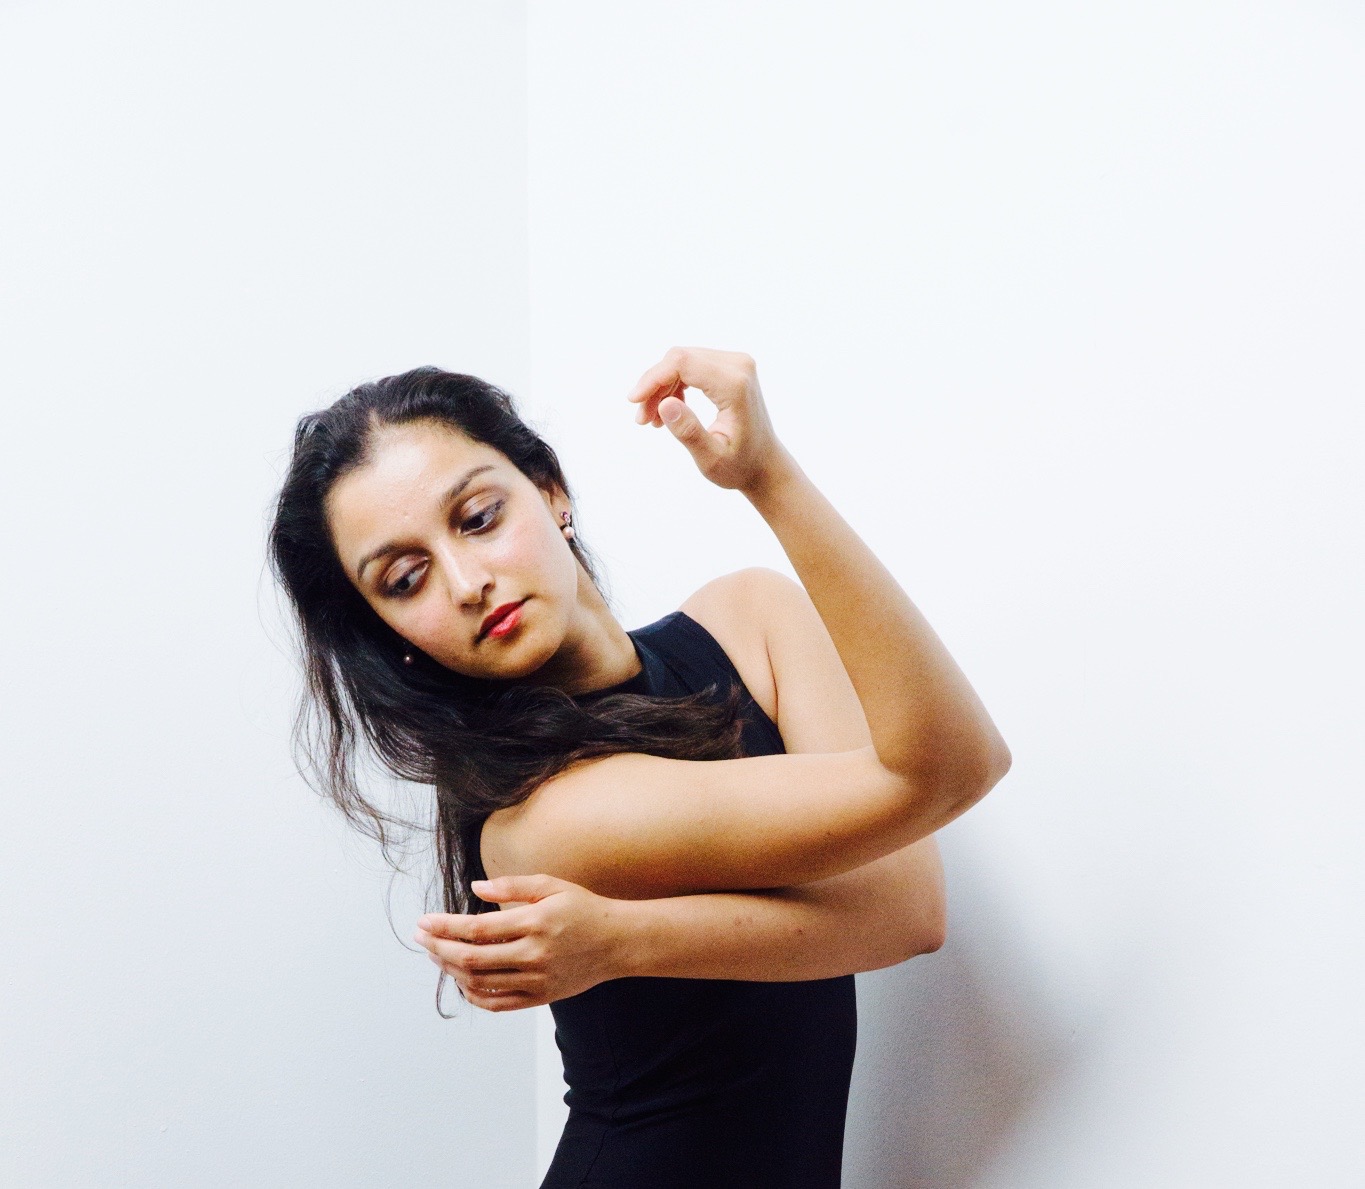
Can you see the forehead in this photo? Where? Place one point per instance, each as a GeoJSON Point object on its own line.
{"type": "Point", "coordinates": [400, 486]}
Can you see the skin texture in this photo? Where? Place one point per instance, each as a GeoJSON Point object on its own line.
{"type": "Point", "coordinates": [500, 541]}
{"type": "Point", "coordinates": [640, 826]}
{"type": "Point", "coordinates": [567, 939]}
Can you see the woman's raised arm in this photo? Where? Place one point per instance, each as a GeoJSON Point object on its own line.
{"type": "Point", "coordinates": [924, 717]}
{"type": "Point", "coordinates": [636, 826]}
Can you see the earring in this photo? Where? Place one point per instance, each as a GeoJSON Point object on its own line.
{"type": "Point", "coordinates": [567, 526]}
{"type": "Point", "coordinates": [407, 658]}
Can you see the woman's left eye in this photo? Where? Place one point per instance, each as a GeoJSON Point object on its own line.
{"type": "Point", "coordinates": [483, 519]}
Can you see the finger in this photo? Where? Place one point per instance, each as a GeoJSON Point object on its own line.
{"type": "Point", "coordinates": [500, 984]}
{"type": "Point", "coordinates": [497, 997]}
{"type": "Point", "coordinates": [688, 367]}
{"type": "Point", "coordinates": [706, 448]}
{"type": "Point", "coordinates": [456, 967]}
{"type": "Point", "coordinates": [505, 984]}
{"type": "Point", "coordinates": [663, 375]}
{"type": "Point", "coordinates": [476, 928]}
{"type": "Point", "coordinates": [493, 982]}
{"type": "Point", "coordinates": [505, 1002]}
{"type": "Point", "coordinates": [682, 367]}
{"type": "Point", "coordinates": [468, 926]}
{"type": "Point", "coordinates": [648, 412]}
{"type": "Point", "coordinates": [528, 888]}
{"type": "Point", "coordinates": [481, 957]}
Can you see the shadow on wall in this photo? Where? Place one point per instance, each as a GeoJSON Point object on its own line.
{"type": "Point", "coordinates": [954, 1050]}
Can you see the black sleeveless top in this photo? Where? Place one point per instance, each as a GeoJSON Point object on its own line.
{"type": "Point", "coordinates": [679, 1083]}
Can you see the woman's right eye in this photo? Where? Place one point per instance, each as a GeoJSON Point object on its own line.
{"type": "Point", "coordinates": [484, 518]}
{"type": "Point", "coordinates": [396, 590]}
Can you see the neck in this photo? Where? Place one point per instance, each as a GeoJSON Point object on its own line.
{"type": "Point", "coordinates": [597, 652]}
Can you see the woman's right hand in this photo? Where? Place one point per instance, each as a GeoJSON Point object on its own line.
{"type": "Point", "coordinates": [739, 449]}
{"type": "Point", "coordinates": [559, 939]}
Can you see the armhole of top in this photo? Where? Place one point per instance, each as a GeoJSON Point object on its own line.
{"type": "Point", "coordinates": [712, 645]}
{"type": "Point", "coordinates": [703, 634]}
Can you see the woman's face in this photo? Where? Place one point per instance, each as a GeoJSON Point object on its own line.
{"type": "Point", "coordinates": [437, 531]}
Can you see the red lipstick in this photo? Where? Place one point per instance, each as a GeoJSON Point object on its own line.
{"type": "Point", "coordinates": [501, 620]}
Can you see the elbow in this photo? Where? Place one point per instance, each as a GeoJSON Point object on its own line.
{"type": "Point", "coordinates": [984, 772]}
{"type": "Point", "coordinates": [930, 932]}
{"type": "Point", "coordinates": [990, 762]}
{"type": "Point", "coordinates": [927, 938]}
{"type": "Point", "coordinates": [929, 921]}
{"type": "Point", "coordinates": [933, 938]}
{"type": "Point", "coordinates": [962, 786]}
{"type": "Point", "coordinates": [1001, 759]}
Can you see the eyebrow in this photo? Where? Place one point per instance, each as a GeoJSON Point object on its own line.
{"type": "Point", "coordinates": [446, 500]}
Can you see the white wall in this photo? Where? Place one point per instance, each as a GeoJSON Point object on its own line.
{"type": "Point", "coordinates": [1062, 306]}
{"type": "Point", "coordinates": [212, 219]}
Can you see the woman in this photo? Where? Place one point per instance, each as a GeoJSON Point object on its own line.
{"type": "Point", "coordinates": [767, 735]}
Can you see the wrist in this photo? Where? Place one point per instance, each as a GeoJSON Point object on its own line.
{"type": "Point", "coordinates": [628, 928]}
{"type": "Point", "coordinates": [767, 490]}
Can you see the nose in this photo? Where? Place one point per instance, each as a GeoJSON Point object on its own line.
{"type": "Point", "coordinates": [467, 579]}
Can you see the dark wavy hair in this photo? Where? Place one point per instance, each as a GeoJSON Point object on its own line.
{"type": "Point", "coordinates": [481, 745]}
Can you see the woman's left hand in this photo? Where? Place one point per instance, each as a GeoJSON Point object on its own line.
{"type": "Point", "coordinates": [560, 940]}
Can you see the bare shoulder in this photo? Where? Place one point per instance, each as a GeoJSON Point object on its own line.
{"type": "Point", "coordinates": [812, 700]}
{"type": "Point", "coordinates": [732, 608]}
{"type": "Point", "coordinates": [745, 594]}
{"type": "Point", "coordinates": [729, 607]}
{"type": "Point", "coordinates": [636, 825]}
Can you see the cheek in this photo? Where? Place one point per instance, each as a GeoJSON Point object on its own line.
{"type": "Point", "coordinates": [427, 626]}
{"type": "Point", "coordinates": [528, 552]}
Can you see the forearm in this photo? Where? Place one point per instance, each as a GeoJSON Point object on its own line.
{"type": "Point", "coordinates": [865, 919]}
{"type": "Point", "coordinates": [923, 715]}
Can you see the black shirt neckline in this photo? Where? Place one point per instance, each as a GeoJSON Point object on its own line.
{"type": "Point", "coordinates": [637, 683]}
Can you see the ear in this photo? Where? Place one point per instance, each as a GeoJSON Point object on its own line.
{"type": "Point", "coordinates": [556, 501]}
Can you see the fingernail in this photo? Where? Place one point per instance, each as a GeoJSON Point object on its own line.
{"type": "Point", "coordinates": [425, 923]}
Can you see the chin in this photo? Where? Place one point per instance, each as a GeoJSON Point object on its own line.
{"type": "Point", "coordinates": [518, 658]}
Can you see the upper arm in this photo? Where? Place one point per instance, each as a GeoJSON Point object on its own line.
{"type": "Point", "coordinates": [636, 826]}
{"type": "Point", "coordinates": [817, 707]}
{"type": "Point", "coordinates": [818, 710]}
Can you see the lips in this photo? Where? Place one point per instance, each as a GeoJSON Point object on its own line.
{"type": "Point", "coordinates": [497, 614]}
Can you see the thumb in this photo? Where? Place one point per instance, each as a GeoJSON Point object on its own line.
{"type": "Point", "coordinates": [517, 887]}
{"type": "Point", "coordinates": [688, 429]}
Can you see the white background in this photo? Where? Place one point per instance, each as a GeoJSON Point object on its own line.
{"type": "Point", "coordinates": [214, 219]}
{"type": "Point", "coordinates": [1061, 306]}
